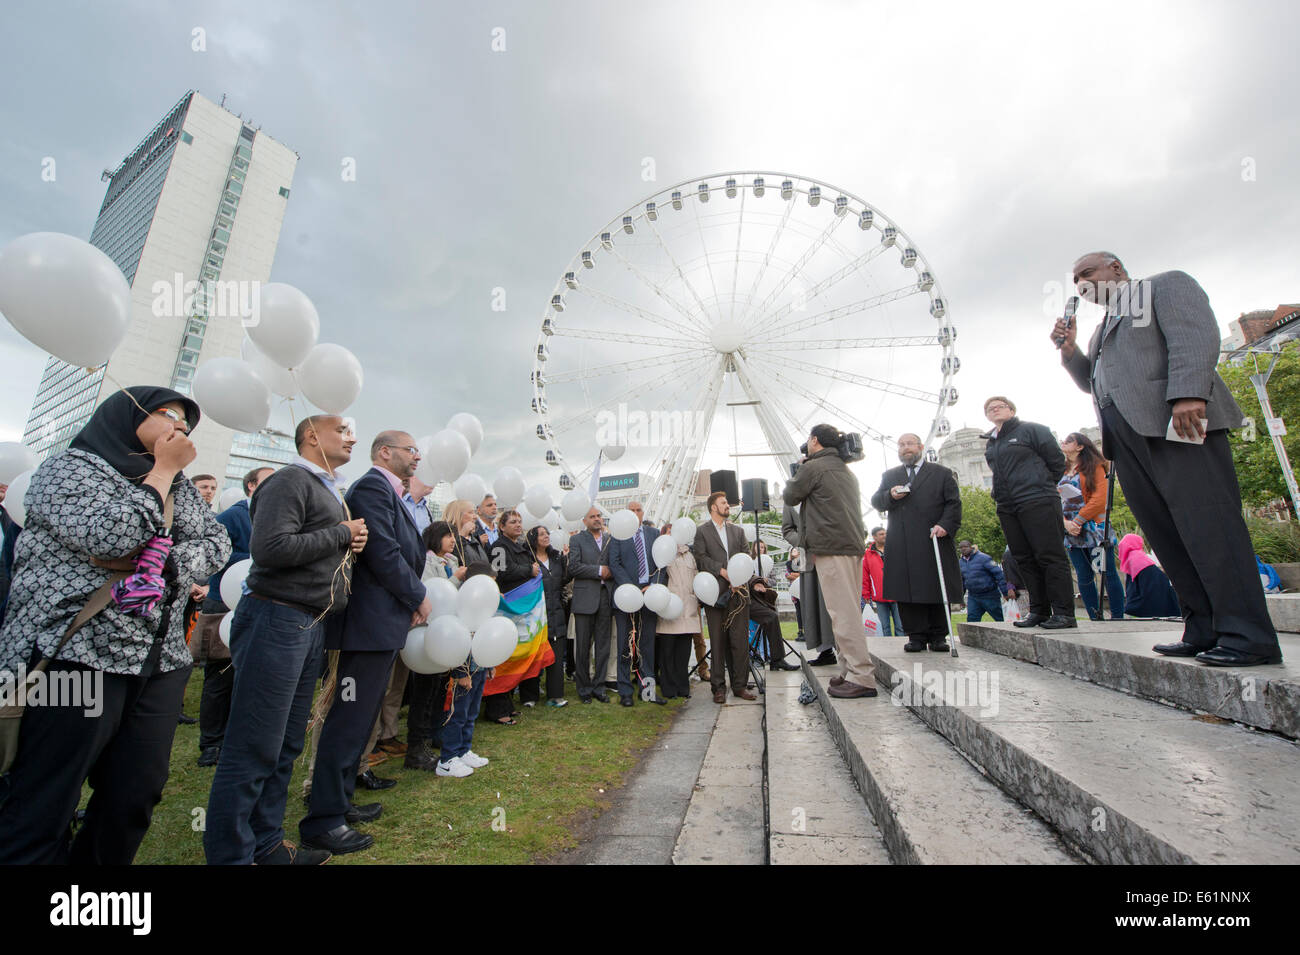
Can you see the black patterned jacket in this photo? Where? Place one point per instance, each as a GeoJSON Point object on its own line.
{"type": "Point", "coordinates": [79, 507]}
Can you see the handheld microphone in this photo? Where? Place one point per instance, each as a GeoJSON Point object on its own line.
{"type": "Point", "coordinates": [1071, 306]}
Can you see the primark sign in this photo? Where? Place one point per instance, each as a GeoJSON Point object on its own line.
{"type": "Point", "coordinates": [619, 482]}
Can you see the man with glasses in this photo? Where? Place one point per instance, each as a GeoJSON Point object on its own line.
{"type": "Point", "coordinates": [388, 599]}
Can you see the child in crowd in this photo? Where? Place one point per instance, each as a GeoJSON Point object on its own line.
{"type": "Point", "coordinates": [458, 759]}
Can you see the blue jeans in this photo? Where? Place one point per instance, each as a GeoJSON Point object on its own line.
{"type": "Point", "coordinates": [458, 734]}
{"type": "Point", "coordinates": [276, 652]}
{"type": "Point", "coordinates": [891, 623]}
{"type": "Point", "coordinates": [976, 604]}
{"type": "Point", "coordinates": [1081, 558]}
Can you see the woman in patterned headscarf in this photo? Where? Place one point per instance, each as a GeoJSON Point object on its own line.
{"type": "Point", "coordinates": [98, 516]}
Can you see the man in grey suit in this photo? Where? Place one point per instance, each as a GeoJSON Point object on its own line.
{"type": "Point", "coordinates": [716, 540]}
{"type": "Point", "coordinates": [589, 567]}
{"type": "Point", "coordinates": [1150, 367]}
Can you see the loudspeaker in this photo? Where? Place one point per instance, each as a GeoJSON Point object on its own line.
{"type": "Point", "coordinates": [725, 481]}
{"type": "Point", "coordinates": [753, 492]}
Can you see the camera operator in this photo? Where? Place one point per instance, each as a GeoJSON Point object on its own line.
{"type": "Point", "coordinates": [833, 538]}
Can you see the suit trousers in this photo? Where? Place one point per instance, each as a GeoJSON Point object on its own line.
{"type": "Point", "coordinates": [1187, 502]}
{"type": "Point", "coordinates": [924, 623]}
{"type": "Point", "coordinates": [645, 622]}
{"type": "Point", "coordinates": [214, 704]}
{"type": "Point", "coordinates": [587, 626]}
{"type": "Point", "coordinates": [769, 622]}
{"type": "Point", "coordinates": [392, 706]}
{"type": "Point", "coordinates": [840, 577]}
{"type": "Point", "coordinates": [1035, 532]}
{"type": "Point", "coordinates": [673, 651]}
{"type": "Point", "coordinates": [729, 643]}
{"type": "Point", "coordinates": [363, 677]}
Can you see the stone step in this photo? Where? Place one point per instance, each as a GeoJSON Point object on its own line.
{"type": "Point", "coordinates": [816, 816]}
{"type": "Point", "coordinates": [931, 804]}
{"type": "Point", "coordinates": [1117, 654]}
{"type": "Point", "coordinates": [1122, 779]}
{"type": "Point", "coordinates": [724, 822]}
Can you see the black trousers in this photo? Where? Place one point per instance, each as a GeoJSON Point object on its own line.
{"type": "Point", "coordinates": [497, 706]}
{"type": "Point", "coordinates": [646, 622]}
{"type": "Point", "coordinates": [673, 652]}
{"type": "Point", "coordinates": [124, 752]}
{"type": "Point", "coordinates": [427, 710]}
{"type": "Point", "coordinates": [924, 623]}
{"type": "Point", "coordinates": [729, 643]}
{"type": "Point", "coordinates": [214, 704]}
{"type": "Point", "coordinates": [555, 672]}
{"type": "Point", "coordinates": [588, 627]}
{"type": "Point", "coordinates": [1035, 533]}
{"type": "Point", "coordinates": [359, 693]}
{"type": "Point", "coordinates": [769, 623]}
{"type": "Point", "coordinates": [1187, 502]}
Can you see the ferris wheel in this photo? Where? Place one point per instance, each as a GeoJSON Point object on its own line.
{"type": "Point", "coordinates": [779, 294]}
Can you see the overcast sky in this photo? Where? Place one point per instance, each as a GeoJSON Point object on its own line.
{"type": "Point", "coordinates": [1005, 138]}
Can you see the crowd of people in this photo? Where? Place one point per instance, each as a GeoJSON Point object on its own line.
{"type": "Point", "coordinates": [118, 570]}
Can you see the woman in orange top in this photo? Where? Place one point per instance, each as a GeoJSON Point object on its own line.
{"type": "Point", "coordinates": [1083, 504]}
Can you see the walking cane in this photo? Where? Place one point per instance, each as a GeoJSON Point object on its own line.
{"type": "Point", "coordinates": [943, 592]}
{"type": "Point", "coordinates": [1105, 548]}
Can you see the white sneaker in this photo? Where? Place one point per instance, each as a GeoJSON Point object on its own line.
{"type": "Point", "coordinates": [473, 760]}
{"type": "Point", "coordinates": [453, 767]}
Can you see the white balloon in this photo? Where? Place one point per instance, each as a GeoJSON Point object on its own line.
{"type": "Point", "coordinates": [449, 453]}
{"type": "Point", "coordinates": [279, 380]}
{"type": "Point", "coordinates": [330, 378]}
{"type": "Point", "coordinates": [223, 629]}
{"type": "Point", "coordinates": [13, 501]}
{"type": "Point", "coordinates": [664, 550]}
{"type": "Point", "coordinates": [676, 607]}
{"type": "Point", "coordinates": [613, 451]}
{"type": "Point", "coordinates": [705, 586]}
{"type": "Point", "coordinates": [65, 295]}
{"type": "Point", "coordinates": [230, 392]}
{"type": "Point", "coordinates": [425, 470]}
{"type": "Point", "coordinates": [470, 427]}
{"type": "Point", "coordinates": [287, 324]}
{"type": "Point", "coordinates": [574, 527]}
{"type": "Point", "coordinates": [538, 500]}
{"type": "Point", "coordinates": [527, 517]}
{"type": "Point", "coordinates": [15, 458]}
{"type": "Point", "coordinates": [751, 532]}
{"type": "Point", "coordinates": [494, 642]}
{"type": "Point", "coordinates": [657, 598]}
{"type": "Point", "coordinates": [447, 642]}
{"type": "Point", "coordinates": [794, 588]}
{"type": "Point", "coordinates": [575, 504]}
{"type": "Point", "coordinates": [554, 521]}
{"type": "Point", "coordinates": [413, 654]}
{"type": "Point", "coordinates": [232, 582]}
{"type": "Point", "coordinates": [764, 565]}
{"type": "Point", "coordinates": [470, 487]}
{"type": "Point", "coordinates": [508, 486]}
{"type": "Point", "coordinates": [623, 524]}
{"type": "Point", "coordinates": [229, 498]}
{"type": "Point", "coordinates": [560, 539]}
{"type": "Point", "coordinates": [442, 594]}
{"type": "Point", "coordinates": [740, 568]}
{"type": "Point", "coordinates": [477, 600]}
{"type": "Point", "coordinates": [683, 531]}
{"type": "Point", "coordinates": [628, 598]}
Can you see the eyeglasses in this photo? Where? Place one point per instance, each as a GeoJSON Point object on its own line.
{"type": "Point", "coordinates": [407, 448]}
{"type": "Point", "coordinates": [996, 405]}
{"type": "Point", "coordinates": [174, 418]}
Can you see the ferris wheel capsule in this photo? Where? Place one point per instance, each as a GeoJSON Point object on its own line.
{"type": "Point", "coordinates": [925, 281]}
{"type": "Point", "coordinates": [758, 187]}
{"type": "Point", "coordinates": [542, 353]}
{"type": "Point", "coordinates": [566, 482]}
{"type": "Point", "coordinates": [948, 395]}
{"type": "Point", "coordinates": [651, 211]}
{"type": "Point", "coordinates": [571, 279]}
{"type": "Point", "coordinates": [703, 191]}
{"type": "Point", "coordinates": [627, 224]}
{"type": "Point", "coordinates": [557, 303]}
{"type": "Point", "coordinates": [841, 205]}
{"type": "Point", "coordinates": [950, 365]}
{"type": "Point", "coordinates": [587, 261]}
{"type": "Point", "coordinates": [551, 459]}
{"type": "Point", "coordinates": [889, 236]}
{"type": "Point", "coordinates": [865, 218]}
{"type": "Point", "coordinates": [548, 326]}
{"type": "Point", "coordinates": [947, 335]}
{"type": "Point", "coordinates": [943, 428]}
{"type": "Point", "coordinates": [606, 241]}
{"type": "Point", "coordinates": [814, 195]}
{"type": "Point", "coordinates": [731, 188]}
{"type": "Point", "coordinates": [539, 406]}
{"type": "Point", "coordinates": [932, 456]}
{"type": "Point", "coordinates": [542, 432]}
{"type": "Point", "coordinates": [909, 258]}
{"type": "Point", "coordinates": [787, 189]}
{"type": "Point", "coordinates": [677, 200]}
{"type": "Point", "coordinates": [938, 307]}
{"type": "Point", "coordinates": [538, 379]}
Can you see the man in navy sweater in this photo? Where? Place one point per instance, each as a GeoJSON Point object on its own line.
{"type": "Point", "coordinates": [984, 583]}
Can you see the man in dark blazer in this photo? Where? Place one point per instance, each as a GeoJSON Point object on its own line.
{"type": "Point", "coordinates": [922, 501]}
{"type": "Point", "coordinates": [589, 568]}
{"type": "Point", "coordinates": [716, 541]}
{"type": "Point", "coordinates": [387, 600]}
{"type": "Point", "coordinates": [1150, 368]}
{"type": "Point", "coordinates": [631, 562]}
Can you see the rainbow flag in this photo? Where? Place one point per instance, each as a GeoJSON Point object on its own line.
{"type": "Point", "coordinates": [526, 606]}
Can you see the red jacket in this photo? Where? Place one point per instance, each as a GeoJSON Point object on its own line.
{"type": "Point", "coordinates": [873, 572]}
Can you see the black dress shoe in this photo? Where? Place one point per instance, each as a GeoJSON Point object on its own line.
{"type": "Point", "coordinates": [1227, 657]}
{"type": "Point", "coordinates": [286, 854]}
{"type": "Point", "coordinates": [584, 699]}
{"type": "Point", "coordinates": [1179, 649]}
{"type": "Point", "coordinates": [600, 696]}
{"type": "Point", "coordinates": [1059, 621]}
{"type": "Point", "coordinates": [782, 665]}
{"type": "Point", "coordinates": [940, 647]}
{"type": "Point", "coordinates": [340, 841]}
{"type": "Point", "coordinates": [368, 813]}
{"type": "Point", "coordinates": [184, 720]}
{"type": "Point", "coordinates": [625, 701]}
{"type": "Point", "coordinates": [420, 756]}
{"type": "Point", "coordinates": [824, 659]}
{"type": "Point", "coordinates": [913, 646]}
{"type": "Point", "coordinates": [1033, 620]}
{"type": "Point", "coordinates": [374, 783]}
{"type": "Point", "coordinates": [209, 756]}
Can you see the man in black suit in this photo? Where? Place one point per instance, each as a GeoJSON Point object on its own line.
{"type": "Point", "coordinates": [922, 502]}
{"type": "Point", "coordinates": [631, 562]}
{"type": "Point", "coordinates": [387, 600]}
{"type": "Point", "coordinates": [716, 540]}
{"type": "Point", "coordinates": [589, 568]}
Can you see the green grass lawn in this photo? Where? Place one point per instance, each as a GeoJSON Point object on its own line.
{"type": "Point", "coordinates": [548, 775]}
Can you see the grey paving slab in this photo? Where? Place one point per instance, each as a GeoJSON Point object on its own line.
{"type": "Point", "coordinates": [1124, 779]}
{"type": "Point", "coordinates": [724, 822]}
{"type": "Point", "coordinates": [827, 850]}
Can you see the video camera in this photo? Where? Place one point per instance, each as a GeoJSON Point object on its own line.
{"type": "Point", "coordinates": [850, 450]}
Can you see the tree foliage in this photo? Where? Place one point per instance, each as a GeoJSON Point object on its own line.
{"type": "Point", "coordinates": [979, 521]}
{"type": "Point", "coordinates": [1258, 470]}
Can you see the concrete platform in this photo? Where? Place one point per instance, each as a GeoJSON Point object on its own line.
{"type": "Point", "coordinates": [1118, 654]}
{"type": "Point", "coordinates": [931, 804]}
{"type": "Point", "coordinates": [1122, 779]}
{"type": "Point", "coordinates": [816, 816]}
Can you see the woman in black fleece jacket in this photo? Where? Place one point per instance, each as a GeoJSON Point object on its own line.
{"type": "Point", "coordinates": [513, 565]}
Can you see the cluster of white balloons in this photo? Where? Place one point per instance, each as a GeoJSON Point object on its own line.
{"type": "Point", "coordinates": [17, 465]}
{"type": "Point", "coordinates": [445, 456]}
{"type": "Point", "coordinates": [462, 622]}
